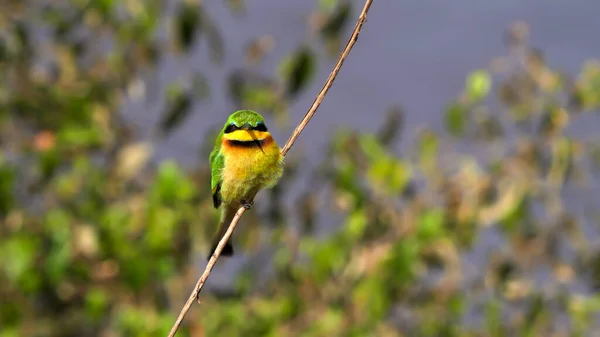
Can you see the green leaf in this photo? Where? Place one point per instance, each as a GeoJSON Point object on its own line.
{"type": "Point", "coordinates": [10, 332]}
{"type": "Point", "coordinates": [390, 174]}
{"type": "Point", "coordinates": [328, 257]}
{"type": "Point", "coordinates": [371, 293]}
{"type": "Point", "coordinates": [297, 70]}
{"type": "Point", "coordinates": [428, 147]}
{"type": "Point", "coordinates": [161, 224]}
{"type": "Point", "coordinates": [337, 18]}
{"type": "Point", "coordinates": [187, 24]}
{"type": "Point", "coordinates": [478, 85]}
{"type": "Point", "coordinates": [172, 185]}
{"type": "Point", "coordinates": [328, 5]}
{"type": "Point", "coordinates": [178, 110]}
{"type": "Point", "coordinates": [371, 146]}
{"type": "Point", "coordinates": [58, 227]}
{"type": "Point", "coordinates": [77, 136]}
{"type": "Point", "coordinates": [96, 303]}
{"type": "Point", "coordinates": [456, 119]}
{"type": "Point", "coordinates": [330, 322]}
{"type": "Point", "coordinates": [7, 182]}
{"type": "Point", "coordinates": [431, 224]}
{"type": "Point", "coordinates": [18, 255]}
{"type": "Point", "coordinates": [356, 224]}
{"type": "Point", "coordinates": [263, 97]}
{"type": "Point", "coordinates": [400, 267]}
{"type": "Point", "coordinates": [493, 318]}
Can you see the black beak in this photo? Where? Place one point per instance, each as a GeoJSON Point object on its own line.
{"type": "Point", "coordinates": [250, 130]}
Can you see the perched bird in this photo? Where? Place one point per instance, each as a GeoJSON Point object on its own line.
{"type": "Point", "coordinates": [245, 159]}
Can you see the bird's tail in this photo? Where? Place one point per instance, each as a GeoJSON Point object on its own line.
{"type": "Point", "coordinates": [226, 216]}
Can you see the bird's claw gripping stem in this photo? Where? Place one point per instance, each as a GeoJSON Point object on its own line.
{"type": "Point", "coordinates": [247, 204]}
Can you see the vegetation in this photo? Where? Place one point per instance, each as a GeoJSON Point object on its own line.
{"type": "Point", "coordinates": [470, 232]}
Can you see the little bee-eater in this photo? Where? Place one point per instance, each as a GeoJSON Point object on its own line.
{"type": "Point", "coordinates": [245, 159]}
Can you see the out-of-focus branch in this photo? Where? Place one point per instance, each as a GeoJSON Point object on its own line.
{"type": "Point", "coordinates": [295, 134]}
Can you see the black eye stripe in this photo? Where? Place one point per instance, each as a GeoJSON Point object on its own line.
{"type": "Point", "coordinates": [230, 128]}
{"type": "Point", "coordinates": [260, 127]}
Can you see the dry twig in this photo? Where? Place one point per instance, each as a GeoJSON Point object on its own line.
{"type": "Point", "coordinates": [317, 102]}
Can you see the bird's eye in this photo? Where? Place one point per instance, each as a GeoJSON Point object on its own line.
{"type": "Point", "coordinates": [260, 127]}
{"type": "Point", "coordinates": [230, 128]}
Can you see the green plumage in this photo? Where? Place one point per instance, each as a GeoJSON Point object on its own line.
{"type": "Point", "coordinates": [244, 160]}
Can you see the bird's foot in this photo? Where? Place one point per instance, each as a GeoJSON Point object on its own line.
{"type": "Point", "coordinates": [247, 204]}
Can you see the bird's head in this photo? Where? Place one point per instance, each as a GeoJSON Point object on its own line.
{"type": "Point", "coordinates": [245, 120]}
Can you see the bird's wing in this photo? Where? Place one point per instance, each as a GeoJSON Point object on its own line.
{"type": "Point", "coordinates": [216, 164]}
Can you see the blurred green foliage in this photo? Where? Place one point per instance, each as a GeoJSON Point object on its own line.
{"type": "Point", "coordinates": [96, 240]}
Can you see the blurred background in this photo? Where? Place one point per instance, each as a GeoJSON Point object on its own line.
{"type": "Point", "coordinates": [447, 186]}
